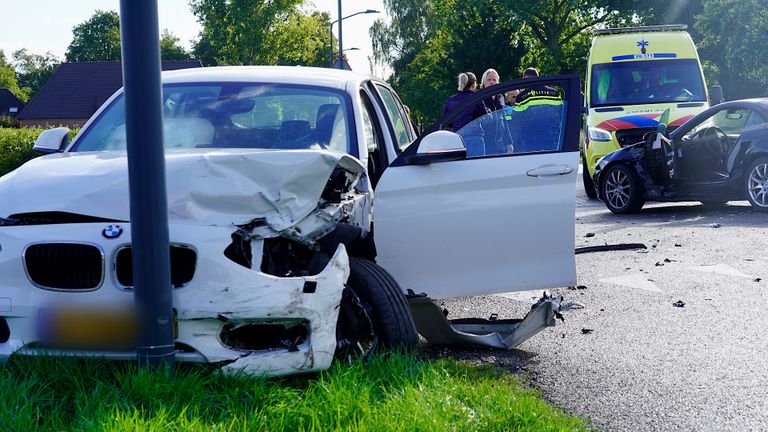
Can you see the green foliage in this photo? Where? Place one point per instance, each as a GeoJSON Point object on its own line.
{"type": "Point", "coordinates": [9, 80]}
{"type": "Point", "coordinates": [388, 393]}
{"type": "Point", "coordinates": [16, 147]}
{"type": "Point", "coordinates": [734, 46]}
{"type": "Point", "coordinates": [245, 32]}
{"type": "Point", "coordinates": [428, 43]}
{"type": "Point", "coordinates": [34, 70]}
{"type": "Point", "coordinates": [170, 48]}
{"type": "Point", "coordinates": [96, 39]}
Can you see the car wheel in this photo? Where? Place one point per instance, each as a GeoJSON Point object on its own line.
{"type": "Point", "coordinates": [621, 192]}
{"type": "Point", "coordinates": [589, 185]}
{"type": "Point", "coordinates": [373, 315]}
{"type": "Point", "coordinates": [756, 184]}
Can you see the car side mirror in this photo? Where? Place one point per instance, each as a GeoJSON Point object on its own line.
{"type": "Point", "coordinates": [52, 141]}
{"type": "Point", "coordinates": [716, 95]}
{"type": "Point", "coordinates": [439, 146]}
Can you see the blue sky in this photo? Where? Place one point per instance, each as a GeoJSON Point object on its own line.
{"type": "Point", "coordinates": [46, 25]}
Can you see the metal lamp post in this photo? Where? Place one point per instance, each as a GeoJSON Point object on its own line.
{"type": "Point", "coordinates": [152, 293]}
{"type": "Point", "coordinates": [330, 39]}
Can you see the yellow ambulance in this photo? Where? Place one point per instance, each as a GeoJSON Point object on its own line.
{"type": "Point", "coordinates": [633, 75]}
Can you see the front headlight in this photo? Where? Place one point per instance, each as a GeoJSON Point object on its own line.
{"type": "Point", "coordinates": [596, 134]}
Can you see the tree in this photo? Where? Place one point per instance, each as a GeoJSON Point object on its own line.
{"type": "Point", "coordinates": [242, 32]}
{"type": "Point", "coordinates": [96, 39]}
{"type": "Point", "coordinates": [34, 70]}
{"type": "Point", "coordinates": [734, 46]}
{"type": "Point", "coordinates": [170, 48]}
{"type": "Point", "coordinates": [9, 81]}
{"type": "Point", "coordinates": [428, 42]}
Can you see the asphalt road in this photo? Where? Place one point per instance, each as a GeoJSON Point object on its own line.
{"type": "Point", "coordinates": [648, 365]}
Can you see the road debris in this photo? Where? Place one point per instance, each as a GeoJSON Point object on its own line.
{"type": "Point", "coordinates": [679, 304]}
{"type": "Point", "coordinates": [589, 234]}
{"type": "Point", "coordinates": [572, 305]}
{"type": "Point", "coordinates": [607, 247]}
{"type": "Point", "coordinates": [758, 279]}
{"type": "Point", "coordinates": [713, 225]}
{"type": "Point", "coordinates": [577, 287]}
{"type": "Point", "coordinates": [678, 245]}
{"type": "Point", "coordinates": [587, 330]}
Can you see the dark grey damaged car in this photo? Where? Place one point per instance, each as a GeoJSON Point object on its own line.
{"type": "Point", "coordinates": [718, 156]}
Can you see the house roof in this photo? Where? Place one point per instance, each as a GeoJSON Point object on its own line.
{"type": "Point", "coordinates": [76, 90]}
{"type": "Point", "coordinates": [8, 100]}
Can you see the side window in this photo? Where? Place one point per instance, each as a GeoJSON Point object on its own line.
{"type": "Point", "coordinates": [730, 121]}
{"type": "Point", "coordinates": [400, 120]}
{"type": "Point", "coordinates": [755, 120]}
{"type": "Point", "coordinates": [527, 120]}
{"type": "Point", "coordinates": [374, 141]}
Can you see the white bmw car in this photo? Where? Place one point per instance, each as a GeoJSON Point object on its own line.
{"type": "Point", "coordinates": [274, 175]}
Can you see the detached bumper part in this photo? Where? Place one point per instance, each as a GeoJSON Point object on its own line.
{"type": "Point", "coordinates": [432, 323]}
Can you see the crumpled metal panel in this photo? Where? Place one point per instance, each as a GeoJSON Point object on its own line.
{"type": "Point", "coordinates": [206, 187]}
{"type": "Point", "coordinates": [431, 322]}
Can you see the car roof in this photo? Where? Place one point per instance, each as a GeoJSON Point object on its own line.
{"type": "Point", "coordinates": [296, 75]}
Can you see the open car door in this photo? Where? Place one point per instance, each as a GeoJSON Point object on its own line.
{"type": "Point", "coordinates": [490, 208]}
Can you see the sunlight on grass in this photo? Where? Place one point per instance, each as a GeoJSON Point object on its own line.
{"type": "Point", "coordinates": [387, 393]}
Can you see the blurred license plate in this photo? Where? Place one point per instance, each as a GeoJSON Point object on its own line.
{"type": "Point", "coordinates": [89, 329]}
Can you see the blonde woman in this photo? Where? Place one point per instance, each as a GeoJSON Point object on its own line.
{"type": "Point", "coordinates": [467, 86]}
{"type": "Point", "coordinates": [472, 135]}
{"type": "Point", "coordinates": [490, 79]}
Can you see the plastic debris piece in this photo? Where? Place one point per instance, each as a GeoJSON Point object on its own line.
{"type": "Point", "coordinates": [758, 279]}
{"type": "Point", "coordinates": [587, 330]}
{"type": "Point", "coordinates": [607, 247]}
{"type": "Point", "coordinates": [589, 234]}
{"type": "Point", "coordinates": [712, 225]}
{"type": "Point", "coordinates": [678, 245]}
{"type": "Point", "coordinates": [679, 304]}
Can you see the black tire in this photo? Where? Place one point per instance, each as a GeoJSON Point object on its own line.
{"type": "Point", "coordinates": [756, 184]}
{"type": "Point", "coordinates": [373, 315]}
{"type": "Point", "coordinates": [621, 190]}
{"type": "Point", "coordinates": [589, 185]}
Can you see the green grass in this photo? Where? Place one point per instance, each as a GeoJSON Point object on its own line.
{"type": "Point", "coordinates": [387, 393]}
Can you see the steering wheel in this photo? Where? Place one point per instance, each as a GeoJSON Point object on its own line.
{"type": "Point", "coordinates": [714, 139]}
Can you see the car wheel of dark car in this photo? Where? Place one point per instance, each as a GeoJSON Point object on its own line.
{"type": "Point", "coordinates": [374, 314]}
{"type": "Point", "coordinates": [620, 190]}
{"type": "Point", "coordinates": [589, 185]}
{"type": "Point", "coordinates": [756, 184]}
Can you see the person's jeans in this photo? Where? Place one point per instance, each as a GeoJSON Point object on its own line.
{"type": "Point", "coordinates": [475, 145]}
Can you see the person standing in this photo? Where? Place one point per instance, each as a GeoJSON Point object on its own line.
{"type": "Point", "coordinates": [473, 135]}
{"type": "Point", "coordinates": [496, 102]}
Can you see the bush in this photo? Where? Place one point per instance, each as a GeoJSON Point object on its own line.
{"type": "Point", "coordinates": [16, 147]}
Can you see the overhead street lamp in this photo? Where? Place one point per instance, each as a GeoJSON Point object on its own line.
{"type": "Point", "coordinates": [330, 40]}
{"type": "Point", "coordinates": [346, 49]}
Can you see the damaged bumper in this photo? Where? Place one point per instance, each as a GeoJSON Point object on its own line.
{"type": "Point", "coordinates": [228, 314]}
{"type": "Point", "coordinates": [433, 324]}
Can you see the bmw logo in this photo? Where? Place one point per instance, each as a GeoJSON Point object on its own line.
{"type": "Point", "coordinates": [112, 231]}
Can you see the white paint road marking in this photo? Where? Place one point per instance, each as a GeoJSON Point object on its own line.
{"type": "Point", "coordinates": [721, 269]}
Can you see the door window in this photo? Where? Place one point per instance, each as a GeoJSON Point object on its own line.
{"type": "Point", "coordinates": [400, 120]}
{"type": "Point", "coordinates": [532, 120]}
{"type": "Point", "coordinates": [730, 121]}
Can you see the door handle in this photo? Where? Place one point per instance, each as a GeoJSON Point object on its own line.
{"type": "Point", "coordinates": [550, 170]}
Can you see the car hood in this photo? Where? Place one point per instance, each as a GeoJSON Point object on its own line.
{"type": "Point", "coordinates": [206, 187]}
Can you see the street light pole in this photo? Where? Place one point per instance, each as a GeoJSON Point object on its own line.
{"type": "Point", "coordinates": [341, 38]}
{"type": "Point", "coordinates": [330, 32]}
{"type": "Point", "coordinates": [152, 290]}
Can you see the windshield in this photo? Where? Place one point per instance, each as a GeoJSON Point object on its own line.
{"type": "Point", "coordinates": [645, 82]}
{"type": "Point", "coordinates": [236, 115]}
